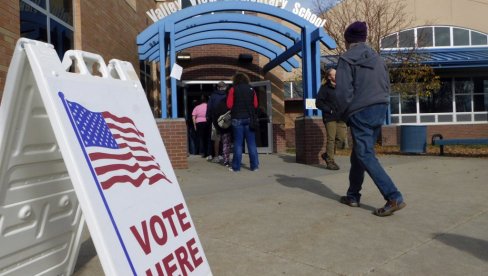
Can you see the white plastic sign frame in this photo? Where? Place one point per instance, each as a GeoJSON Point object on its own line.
{"type": "Point", "coordinates": [117, 162]}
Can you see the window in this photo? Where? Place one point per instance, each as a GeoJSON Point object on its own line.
{"type": "Point", "coordinates": [62, 9]}
{"type": "Point", "coordinates": [442, 36]}
{"type": "Point", "coordinates": [434, 36]}
{"type": "Point", "coordinates": [440, 102]}
{"type": "Point", "coordinates": [478, 38]}
{"type": "Point", "coordinates": [293, 89]}
{"type": "Point", "coordinates": [389, 41]}
{"type": "Point", "coordinates": [460, 36]}
{"type": "Point", "coordinates": [480, 97]}
{"type": "Point", "coordinates": [50, 21]}
{"type": "Point", "coordinates": [33, 23]}
{"type": "Point", "coordinates": [395, 104]}
{"type": "Point", "coordinates": [406, 39]}
{"type": "Point", "coordinates": [145, 75]}
{"type": "Point", "coordinates": [463, 90]}
{"type": "Point", "coordinates": [461, 100]}
{"type": "Point", "coordinates": [61, 37]}
{"type": "Point", "coordinates": [409, 105]}
{"type": "Point", "coordinates": [425, 37]}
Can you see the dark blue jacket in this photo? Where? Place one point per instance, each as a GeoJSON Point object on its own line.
{"type": "Point", "coordinates": [325, 101]}
{"type": "Point", "coordinates": [361, 80]}
{"type": "Point", "coordinates": [215, 98]}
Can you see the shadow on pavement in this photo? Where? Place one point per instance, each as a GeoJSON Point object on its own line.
{"type": "Point", "coordinates": [313, 186]}
{"type": "Point", "coordinates": [288, 158]}
{"type": "Point", "coordinates": [473, 246]}
{"type": "Point", "coordinates": [86, 253]}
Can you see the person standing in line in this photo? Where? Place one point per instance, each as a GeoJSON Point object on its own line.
{"type": "Point", "coordinates": [362, 97]}
{"type": "Point", "coordinates": [223, 133]}
{"type": "Point", "coordinates": [201, 126]}
{"type": "Point", "coordinates": [335, 128]}
{"type": "Point", "coordinates": [216, 98]}
{"type": "Point", "coordinates": [242, 100]}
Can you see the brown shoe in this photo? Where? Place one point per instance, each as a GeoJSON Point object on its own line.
{"type": "Point", "coordinates": [390, 207]}
{"type": "Point", "coordinates": [331, 165]}
{"type": "Point", "coordinates": [349, 201]}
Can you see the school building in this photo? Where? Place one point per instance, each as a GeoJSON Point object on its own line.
{"type": "Point", "coordinates": [458, 47]}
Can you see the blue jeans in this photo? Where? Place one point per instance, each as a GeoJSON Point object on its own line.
{"type": "Point", "coordinates": [241, 131]}
{"type": "Point", "coordinates": [365, 127]}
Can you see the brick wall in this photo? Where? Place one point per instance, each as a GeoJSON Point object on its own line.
{"type": "Point", "coordinates": [109, 28]}
{"type": "Point", "coordinates": [218, 62]}
{"type": "Point", "coordinates": [173, 133]}
{"type": "Point", "coordinates": [293, 110]}
{"type": "Point", "coordinates": [279, 138]}
{"type": "Point", "coordinates": [9, 34]}
{"type": "Point", "coordinates": [391, 134]}
{"type": "Point", "coordinates": [310, 139]}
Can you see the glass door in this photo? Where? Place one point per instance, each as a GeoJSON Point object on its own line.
{"type": "Point", "coordinates": [264, 136]}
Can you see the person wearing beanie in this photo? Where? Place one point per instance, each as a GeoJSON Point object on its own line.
{"type": "Point", "coordinates": [356, 32]}
{"type": "Point", "coordinates": [362, 97]}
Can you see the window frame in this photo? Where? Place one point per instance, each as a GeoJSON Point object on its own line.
{"type": "Point", "coordinates": [436, 118]}
{"type": "Point", "coordinates": [451, 38]}
{"type": "Point", "coordinates": [50, 16]}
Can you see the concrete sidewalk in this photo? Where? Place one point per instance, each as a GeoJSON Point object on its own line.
{"type": "Point", "coordinates": [285, 219]}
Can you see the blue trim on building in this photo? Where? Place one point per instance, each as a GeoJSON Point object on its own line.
{"type": "Point", "coordinates": [447, 58]}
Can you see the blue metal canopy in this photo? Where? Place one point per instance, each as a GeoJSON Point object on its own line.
{"type": "Point", "coordinates": [453, 58]}
{"type": "Point", "coordinates": [251, 46]}
{"type": "Point", "coordinates": [264, 47]}
{"type": "Point", "coordinates": [250, 22]}
{"type": "Point", "coordinates": [446, 58]}
{"type": "Point", "coordinates": [255, 30]}
{"type": "Point", "coordinates": [198, 26]}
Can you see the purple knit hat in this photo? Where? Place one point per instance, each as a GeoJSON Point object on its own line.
{"type": "Point", "coordinates": [356, 32]}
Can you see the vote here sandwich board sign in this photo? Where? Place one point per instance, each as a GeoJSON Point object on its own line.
{"type": "Point", "coordinates": [115, 159]}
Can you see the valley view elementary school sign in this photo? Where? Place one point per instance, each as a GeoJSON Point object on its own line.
{"type": "Point", "coordinates": [167, 8]}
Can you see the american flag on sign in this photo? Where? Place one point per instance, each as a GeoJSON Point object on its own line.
{"type": "Point", "coordinates": [116, 148]}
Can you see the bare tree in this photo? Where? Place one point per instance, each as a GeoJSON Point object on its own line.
{"type": "Point", "coordinates": [384, 17]}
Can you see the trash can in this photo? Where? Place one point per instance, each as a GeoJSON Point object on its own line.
{"type": "Point", "coordinates": [413, 138]}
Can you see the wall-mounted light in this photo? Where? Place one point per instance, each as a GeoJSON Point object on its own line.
{"type": "Point", "coordinates": [183, 56]}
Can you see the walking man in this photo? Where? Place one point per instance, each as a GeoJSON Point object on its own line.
{"type": "Point", "coordinates": [362, 95]}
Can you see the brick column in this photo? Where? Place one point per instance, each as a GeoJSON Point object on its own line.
{"type": "Point", "coordinates": [279, 138]}
{"type": "Point", "coordinates": [310, 139]}
{"type": "Point", "coordinates": [174, 135]}
{"type": "Point", "coordinates": [9, 34]}
{"type": "Point", "coordinates": [390, 135]}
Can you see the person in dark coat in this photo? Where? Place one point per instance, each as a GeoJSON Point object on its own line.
{"type": "Point", "coordinates": [362, 97]}
{"type": "Point", "coordinates": [219, 95]}
{"type": "Point", "coordinates": [335, 128]}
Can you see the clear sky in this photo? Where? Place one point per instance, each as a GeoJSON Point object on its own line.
{"type": "Point", "coordinates": [304, 3]}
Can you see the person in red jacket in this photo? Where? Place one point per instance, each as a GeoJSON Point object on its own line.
{"type": "Point", "coordinates": [242, 101]}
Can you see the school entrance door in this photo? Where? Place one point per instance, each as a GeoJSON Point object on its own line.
{"type": "Point", "coordinates": [264, 136]}
{"type": "Point", "coordinates": [189, 92]}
